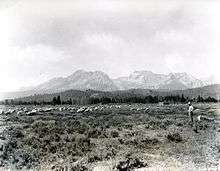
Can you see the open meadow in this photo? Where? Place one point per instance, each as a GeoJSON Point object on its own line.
{"type": "Point", "coordinates": [109, 137]}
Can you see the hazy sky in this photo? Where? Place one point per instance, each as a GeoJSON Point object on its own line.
{"type": "Point", "coordinates": [43, 39]}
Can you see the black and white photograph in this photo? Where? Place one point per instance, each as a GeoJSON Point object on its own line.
{"type": "Point", "coordinates": [109, 85]}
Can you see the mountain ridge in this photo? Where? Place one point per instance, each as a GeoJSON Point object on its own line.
{"type": "Point", "coordinates": [205, 92]}
{"type": "Point", "coordinates": [100, 81]}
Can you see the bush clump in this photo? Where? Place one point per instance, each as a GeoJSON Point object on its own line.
{"type": "Point", "coordinates": [94, 133]}
{"type": "Point", "coordinates": [27, 148]}
{"type": "Point", "coordinates": [130, 164]}
{"type": "Point", "coordinates": [114, 134]}
{"type": "Point", "coordinates": [174, 137]}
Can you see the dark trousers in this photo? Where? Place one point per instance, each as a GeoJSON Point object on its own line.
{"type": "Point", "coordinates": [191, 117]}
{"type": "Point", "coordinates": [194, 124]}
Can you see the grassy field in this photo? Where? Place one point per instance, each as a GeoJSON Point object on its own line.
{"type": "Point", "coordinates": [109, 137]}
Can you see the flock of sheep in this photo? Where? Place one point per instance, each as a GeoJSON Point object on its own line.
{"type": "Point", "coordinates": [32, 110]}
{"type": "Point", "coordinates": [73, 109]}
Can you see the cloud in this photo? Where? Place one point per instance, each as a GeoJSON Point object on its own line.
{"type": "Point", "coordinates": [175, 63]}
{"type": "Point", "coordinates": [105, 41]}
{"type": "Point", "coordinates": [41, 40]}
{"type": "Point", "coordinates": [26, 66]}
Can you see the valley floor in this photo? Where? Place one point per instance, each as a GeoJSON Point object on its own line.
{"type": "Point", "coordinates": [110, 137]}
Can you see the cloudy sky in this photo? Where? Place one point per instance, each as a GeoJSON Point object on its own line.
{"type": "Point", "coordinates": [43, 39]}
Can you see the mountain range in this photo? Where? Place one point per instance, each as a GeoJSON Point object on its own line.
{"type": "Point", "coordinates": [79, 95]}
{"type": "Point", "coordinates": [150, 80]}
{"type": "Point", "coordinates": [100, 81]}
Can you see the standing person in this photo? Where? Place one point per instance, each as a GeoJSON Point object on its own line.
{"type": "Point", "coordinates": [193, 123]}
{"type": "Point", "coordinates": [190, 110]}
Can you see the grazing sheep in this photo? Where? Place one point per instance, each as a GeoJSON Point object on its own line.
{"type": "Point", "coordinates": [200, 118]}
{"type": "Point", "coordinates": [10, 111]}
{"type": "Point", "coordinates": [87, 110]}
{"type": "Point", "coordinates": [32, 112]}
{"type": "Point", "coordinates": [25, 109]}
{"type": "Point", "coordinates": [82, 109]}
{"type": "Point", "coordinates": [60, 109]}
{"type": "Point", "coordinates": [138, 109]}
{"type": "Point", "coordinates": [146, 110]}
{"type": "Point", "coordinates": [48, 109]}
{"type": "Point", "coordinates": [19, 112]}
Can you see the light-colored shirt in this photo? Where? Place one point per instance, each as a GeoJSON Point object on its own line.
{"type": "Point", "coordinates": [190, 109]}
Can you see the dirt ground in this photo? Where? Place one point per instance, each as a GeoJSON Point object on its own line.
{"type": "Point", "coordinates": [109, 137]}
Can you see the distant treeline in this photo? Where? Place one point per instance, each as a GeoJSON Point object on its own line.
{"type": "Point", "coordinates": [57, 100]}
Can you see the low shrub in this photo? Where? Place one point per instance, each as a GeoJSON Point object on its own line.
{"type": "Point", "coordinates": [130, 164]}
{"type": "Point", "coordinates": [114, 134]}
{"type": "Point", "coordinates": [174, 137]}
{"type": "Point", "coordinates": [40, 143]}
{"type": "Point", "coordinates": [94, 133]}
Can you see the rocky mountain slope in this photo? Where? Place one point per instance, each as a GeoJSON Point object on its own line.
{"type": "Point", "coordinates": [150, 80]}
{"type": "Point", "coordinates": [100, 81]}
